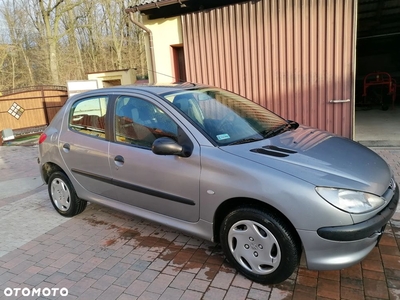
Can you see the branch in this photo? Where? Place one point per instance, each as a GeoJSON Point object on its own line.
{"type": "Point", "coordinates": [56, 5]}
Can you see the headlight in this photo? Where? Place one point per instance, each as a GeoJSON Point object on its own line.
{"type": "Point", "coordinates": [350, 201]}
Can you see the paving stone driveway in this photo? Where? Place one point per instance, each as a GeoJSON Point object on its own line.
{"type": "Point", "coordinates": [105, 254]}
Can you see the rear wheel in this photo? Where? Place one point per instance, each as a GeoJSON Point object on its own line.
{"type": "Point", "coordinates": [260, 245]}
{"type": "Point", "coordinates": [63, 196]}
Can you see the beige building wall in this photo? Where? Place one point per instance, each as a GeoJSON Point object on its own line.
{"type": "Point", "coordinates": [166, 32]}
{"type": "Point", "coordinates": [113, 78]}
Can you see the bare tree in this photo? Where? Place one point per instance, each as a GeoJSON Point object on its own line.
{"type": "Point", "coordinates": [71, 29]}
{"type": "Point", "coordinates": [51, 41]}
{"type": "Point", "coordinates": [116, 21]}
{"type": "Point", "coordinates": [15, 19]}
{"type": "Point", "coordinates": [51, 13]}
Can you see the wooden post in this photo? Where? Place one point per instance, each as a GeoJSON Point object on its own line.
{"type": "Point", "coordinates": [46, 114]}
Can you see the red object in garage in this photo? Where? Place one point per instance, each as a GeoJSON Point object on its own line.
{"type": "Point", "coordinates": [383, 87]}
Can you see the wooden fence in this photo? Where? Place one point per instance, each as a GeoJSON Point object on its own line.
{"type": "Point", "coordinates": [30, 108]}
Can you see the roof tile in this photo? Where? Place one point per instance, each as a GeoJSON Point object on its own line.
{"type": "Point", "coordinates": [143, 2]}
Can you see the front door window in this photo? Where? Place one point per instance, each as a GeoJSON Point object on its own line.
{"type": "Point", "coordinates": [140, 123]}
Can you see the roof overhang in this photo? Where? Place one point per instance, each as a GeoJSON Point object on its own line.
{"type": "Point", "coordinates": [154, 4]}
{"type": "Point", "coordinates": [157, 9]}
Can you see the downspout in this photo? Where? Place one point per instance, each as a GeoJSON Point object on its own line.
{"type": "Point", "coordinates": [151, 66]}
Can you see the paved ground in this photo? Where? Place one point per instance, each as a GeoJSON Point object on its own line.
{"type": "Point", "coordinates": [374, 126]}
{"type": "Point", "coordinates": [105, 254]}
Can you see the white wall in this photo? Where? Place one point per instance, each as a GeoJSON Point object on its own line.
{"type": "Point", "coordinates": [125, 77]}
{"type": "Point", "coordinates": [166, 32]}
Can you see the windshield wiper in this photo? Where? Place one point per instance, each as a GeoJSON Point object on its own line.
{"type": "Point", "coordinates": [280, 129]}
{"type": "Point", "coordinates": [244, 141]}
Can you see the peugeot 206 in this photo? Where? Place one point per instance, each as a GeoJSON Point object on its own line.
{"type": "Point", "coordinates": [221, 167]}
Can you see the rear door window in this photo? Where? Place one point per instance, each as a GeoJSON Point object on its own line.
{"type": "Point", "coordinates": [88, 116]}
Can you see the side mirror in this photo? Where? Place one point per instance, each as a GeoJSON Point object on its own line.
{"type": "Point", "coordinates": [167, 146]}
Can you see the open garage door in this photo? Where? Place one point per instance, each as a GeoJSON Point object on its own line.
{"type": "Point", "coordinates": [377, 105]}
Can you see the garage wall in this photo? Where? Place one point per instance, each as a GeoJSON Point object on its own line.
{"type": "Point", "coordinates": [291, 56]}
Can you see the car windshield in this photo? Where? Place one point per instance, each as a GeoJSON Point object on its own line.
{"type": "Point", "coordinates": [227, 118]}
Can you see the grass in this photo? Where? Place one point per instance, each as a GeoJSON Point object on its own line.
{"type": "Point", "coordinates": [22, 140]}
{"type": "Point", "coordinates": [27, 138]}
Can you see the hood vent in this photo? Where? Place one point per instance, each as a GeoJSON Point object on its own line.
{"type": "Point", "coordinates": [274, 148]}
{"type": "Point", "coordinates": [273, 151]}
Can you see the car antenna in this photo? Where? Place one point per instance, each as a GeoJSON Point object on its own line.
{"type": "Point", "coordinates": [178, 81]}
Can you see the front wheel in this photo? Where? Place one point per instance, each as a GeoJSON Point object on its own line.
{"type": "Point", "coordinates": [260, 245]}
{"type": "Point", "coordinates": [63, 196]}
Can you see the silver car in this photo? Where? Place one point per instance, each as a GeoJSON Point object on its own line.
{"type": "Point", "coordinates": [218, 166]}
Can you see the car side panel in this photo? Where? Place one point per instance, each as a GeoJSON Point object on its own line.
{"type": "Point", "coordinates": [164, 184]}
{"type": "Point", "coordinates": [87, 161]}
{"type": "Point", "coordinates": [229, 176]}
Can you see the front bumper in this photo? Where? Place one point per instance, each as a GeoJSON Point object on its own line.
{"type": "Point", "coordinates": [333, 248]}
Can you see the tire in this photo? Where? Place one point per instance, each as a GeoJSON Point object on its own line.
{"type": "Point", "coordinates": [63, 196]}
{"type": "Point", "coordinates": [260, 245]}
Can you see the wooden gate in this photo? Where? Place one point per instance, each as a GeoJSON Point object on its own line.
{"type": "Point", "coordinates": [28, 109]}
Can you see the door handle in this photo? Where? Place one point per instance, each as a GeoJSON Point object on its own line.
{"type": "Point", "coordinates": [66, 147]}
{"type": "Point", "coordinates": [339, 101]}
{"type": "Point", "coordinates": [119, 158]}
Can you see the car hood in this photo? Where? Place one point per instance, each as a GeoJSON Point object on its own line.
{"type": "Point", "coordinates": [320, 158]}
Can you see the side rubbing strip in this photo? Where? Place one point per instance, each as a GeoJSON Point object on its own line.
{"type": "Point", "coordinates": [93, 176]}
{"type": "Point", "coordinates": [136, 188]}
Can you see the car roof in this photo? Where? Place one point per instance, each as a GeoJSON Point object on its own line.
{"type": "Point", "coordinates": [157, 89]}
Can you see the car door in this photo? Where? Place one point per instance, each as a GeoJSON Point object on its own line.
{"type": "Point", "coordinates": [166, 184]}
{"type": "Point", "coordinates": [84, 146]}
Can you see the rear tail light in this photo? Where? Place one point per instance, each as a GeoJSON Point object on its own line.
{"type": "Point", "coordinates": [42, 138]}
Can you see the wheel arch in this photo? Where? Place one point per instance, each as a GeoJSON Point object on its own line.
{"type": "Point", "coordinates": [234, 203]}
{"type": "Point", "coordinates": [49, 168]}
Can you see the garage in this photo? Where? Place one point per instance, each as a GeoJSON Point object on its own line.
{"type": "Point", "coordinates": [305, 60]}
{"type": "Point", "coordinates": [377, 86]}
